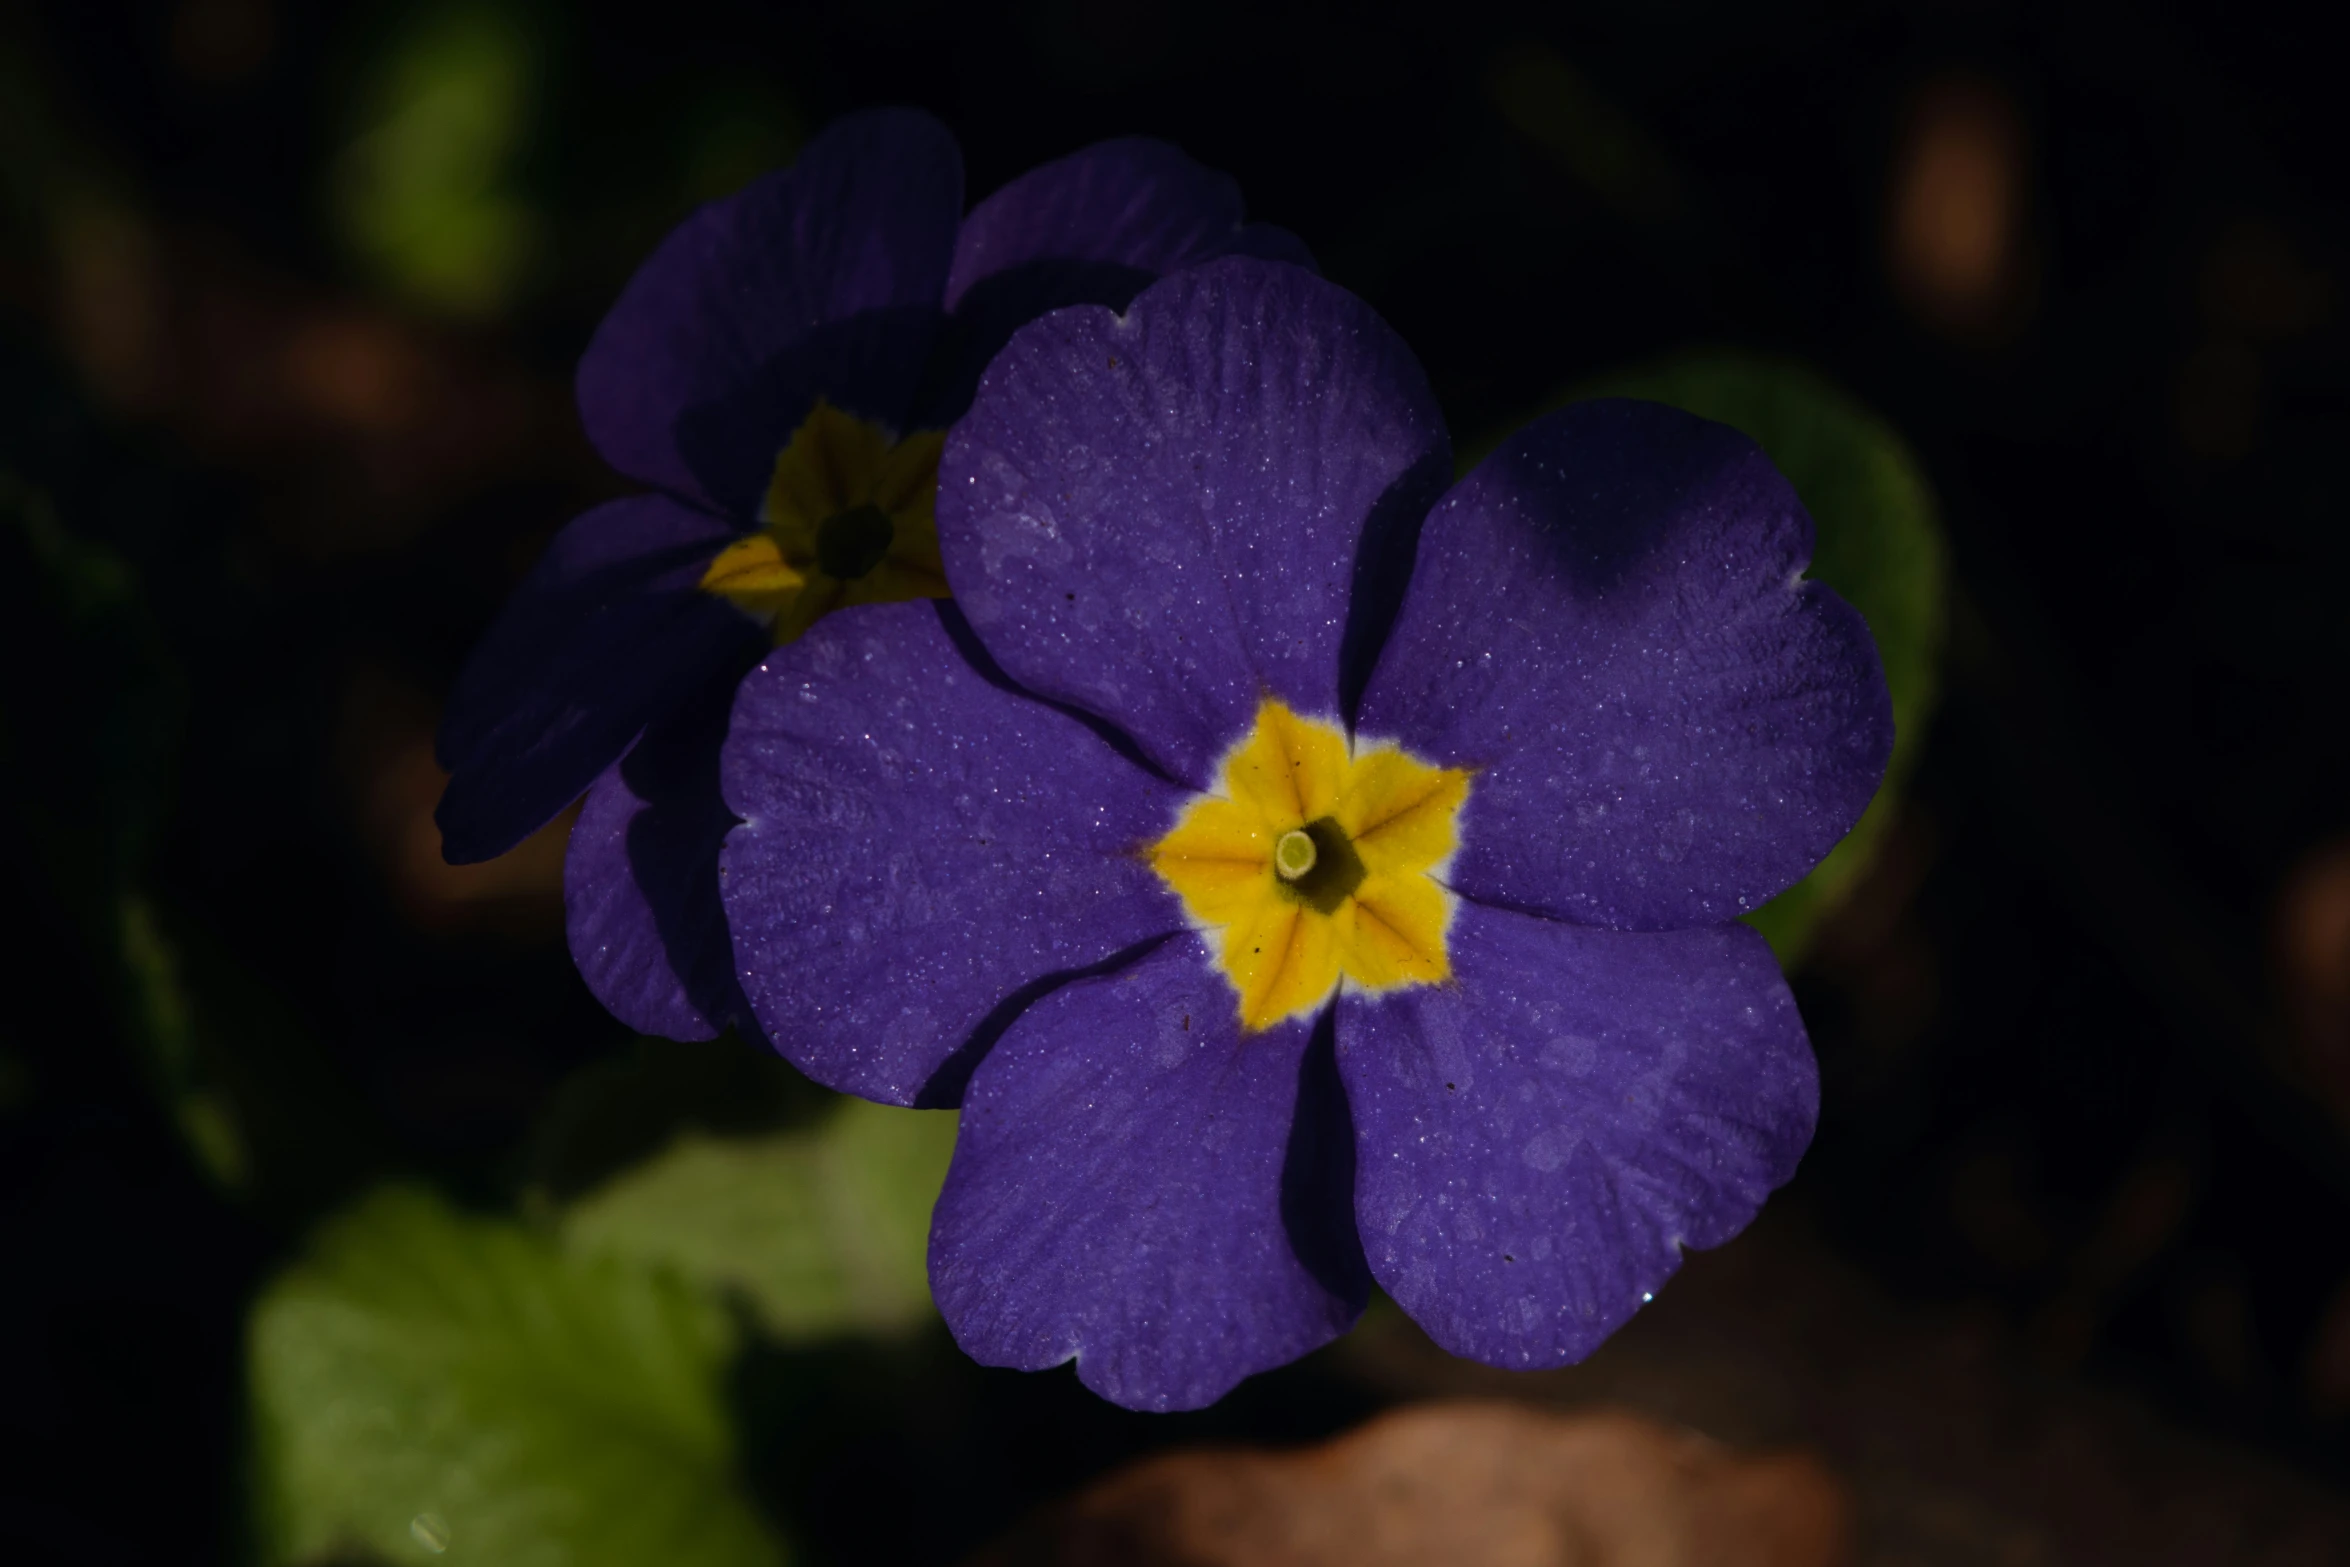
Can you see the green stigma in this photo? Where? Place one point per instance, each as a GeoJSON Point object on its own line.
{"type": "Point", "coordinates": [1294, 855]}
{"type": "Point", "coordinates": [1317, 865]}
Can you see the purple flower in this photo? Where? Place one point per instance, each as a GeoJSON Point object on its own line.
{"type": "Point", "coordinates": [778, 371]}
{"type": "Point", "coordinates": [1303, 874]}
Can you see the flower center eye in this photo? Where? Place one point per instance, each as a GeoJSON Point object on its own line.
{"type": "Point", "coordinates": [1327, 868]}
{"type": "Point", "coordinates": [1294, 855]}
{"type": "Point", "coordinates": [851, 543]}
{"type": "Point", "coordinates": [848, 519]}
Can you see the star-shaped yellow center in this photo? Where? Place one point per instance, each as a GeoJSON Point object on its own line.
{"type": "Point", "coordinates": [850, 518]}
{"type": "Point", "coordinates": [1316, 864]}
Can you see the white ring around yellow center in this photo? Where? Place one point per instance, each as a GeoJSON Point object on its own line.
{"type": "Point", "coordinates": [1230, 858]}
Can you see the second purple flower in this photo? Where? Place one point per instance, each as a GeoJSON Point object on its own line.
{"type": "Point", "coordinates": [779, 372]}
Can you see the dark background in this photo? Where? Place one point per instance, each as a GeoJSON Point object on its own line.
{"type": "Point", "coordinates": [2085, 1029]}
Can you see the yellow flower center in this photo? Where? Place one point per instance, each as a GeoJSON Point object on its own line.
{"type": "Point", "coordinates": [1316, 864]}
{"type": "Point", "coordinates": [850, 518]}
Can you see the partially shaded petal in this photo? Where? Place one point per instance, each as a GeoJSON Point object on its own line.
{"type": "Point", "coordinates": [1093, 228]}
{"type": "Point", "coordinates": [1133, 202]}
{"type": "Point", "coordinates": [1609, 626]}
{"type": "Point", "coordinates": [640, 880]}
{"type": "Point", "coordinates": [922, 850]}
{"type": "Point", "coordinates": [821, 279]}
{"type": "Point", "coordinates": [1538, 1140]}
{"type": "Point", "coordinates": [1157, 516]}
{"type": "Point", "coordinates": [1269, 242]}
{"type": "Point", "coordinates": [1139, 1186]}
{"type": "Point", "coordinates": [608, 632]}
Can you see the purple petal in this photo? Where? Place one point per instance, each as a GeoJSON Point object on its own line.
{"type": "Point", "coordinates": [1607, 622]}
{"type": "Point", "coordinates": [1094, 228]}
{"type": "Point", "coordinates": [608, 632]}
{"type": "Point", "coordinates": [1132, 201]}
{"type": "Point", "coordinates": [923, 851]}
{"type": "Point", "coordinates": [821, 279]}
{"type": "Point", "coordinates": [640, 880]}
{"type": "Point", "coordinates": [1129, 1190]}
{"type": "Point", "coordinates": [1539, 1139]}
{"type": "Point", "coordinates": [1158, 516]}
{"type": "Point", "coordinates": [1267, 242]}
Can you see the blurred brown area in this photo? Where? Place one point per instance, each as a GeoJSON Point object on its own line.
{"type": "Point", "coordinates": [1956, 1447]}
{"type": "Point", "coordinates": [221, 44]}
{"type": "Point", "coordinates": [2312, 945]}
{"type": "Point", "coordinates": [1956, 236]}
{"type": "Point", "coordinates": [1464, 1483]}
{"type": "Point", "coordinates": [2257, 293]}
{"type": "Point", "coordinates": [366, 424]}
{"type": "Point", "coordinates": [385, 753]}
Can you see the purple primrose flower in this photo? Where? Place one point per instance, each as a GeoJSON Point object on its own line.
{"type": "Point", "coordinates": [1300, 872]}
{"type": "Point", "coordinates": [779, 371]}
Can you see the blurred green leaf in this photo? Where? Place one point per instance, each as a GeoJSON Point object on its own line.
{"type": "Point", "coordinates": [735, 131]}
{"type": "Point", "coordinates": [1554, 106]}
{"type": "Point", "coordinates": [620, 1110]}
{"type": "Point", "coordinates": [1879, 545]}
{"type": "Point", "coordinates": [16, 1081]}
{"type": "Point", "coordinates": [97, 774]}
{"type": "Point", "coordinates": [164, 1023]}
{"type": "Point", "coordinates": [433, 1387]}
{"type": "Point", "coordinates": [426, 191]}
{"type": "Point", "coordinates": [821, 1232]}
{"type": "Point", "coordinates": [262, 1110]}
